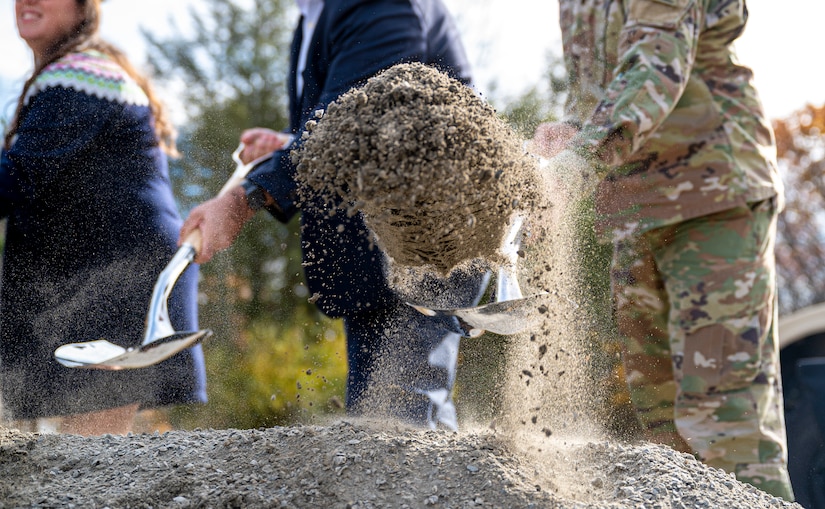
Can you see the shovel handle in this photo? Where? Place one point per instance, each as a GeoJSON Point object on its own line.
{"type": "Point", "coordinates": [194, 239]}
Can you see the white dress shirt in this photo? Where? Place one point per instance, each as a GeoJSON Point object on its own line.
{"type": "Point", "coordinates": [310, 11]}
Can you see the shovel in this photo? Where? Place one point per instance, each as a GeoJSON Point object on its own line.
{"type": "Point", "coordinates": [504, 317]}
{"type": "Point", "coordinates": [160, 340]}
{"type": "Point", "coordinates": [512, 312]}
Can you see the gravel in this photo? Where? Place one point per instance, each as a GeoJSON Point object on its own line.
{"type": "Point", "coordinates": [435, 171]}
{"type": "Point", "coordinates": [356, 464]}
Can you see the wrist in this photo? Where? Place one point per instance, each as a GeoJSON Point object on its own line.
{"type": "Point", "coordinates": [256, 196]}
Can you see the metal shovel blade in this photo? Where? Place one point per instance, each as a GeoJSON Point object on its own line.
{"type": "Point", "coordinates": [504, 317]}
{"type": "Point", "coordinates": [160, 339]}
{"type": "Point", "coordinates": [102, 354]}
{"type": "Point", "coordinates": [511, 313]}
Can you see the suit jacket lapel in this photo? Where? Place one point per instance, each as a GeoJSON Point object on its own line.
{"type": "Point", "coordinates": [292, 87]}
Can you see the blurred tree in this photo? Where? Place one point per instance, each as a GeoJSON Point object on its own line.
{"type": "Point", "coordinates": [800, 246]}
{"type": "Point", "coordinates": [229, 75]}
{"type": "Point", "coordinates": [541, 102]}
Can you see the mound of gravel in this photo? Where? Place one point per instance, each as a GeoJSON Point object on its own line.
{"type": "Point", "coordinates": [436, 173]}
{"type": "Point", "coordinates": [354, 465]}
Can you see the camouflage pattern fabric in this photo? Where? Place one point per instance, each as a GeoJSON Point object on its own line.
{"type": "Point", "coordinates": [675, 129]}
{"type": "Point", "coordinates": [672, 121]}
{"type": "Point", "coordinates": [696, 302]}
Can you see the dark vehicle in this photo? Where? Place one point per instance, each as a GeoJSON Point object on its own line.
{"type": "Point", "coordinates": [802, 352]}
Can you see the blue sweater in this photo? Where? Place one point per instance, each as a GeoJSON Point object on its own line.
{"type": "Point", "coordinates": [91, 223]}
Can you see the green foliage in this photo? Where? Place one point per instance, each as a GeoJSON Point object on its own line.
{"type": "Point", "coordinates": [273, 373]}
{"type": "Point", "coordinates": [231, 76]}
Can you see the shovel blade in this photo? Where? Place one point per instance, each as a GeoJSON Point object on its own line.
{"type": "Point", "coordinates": [505, 317]}
{"type": "Point", "coordinates": [102, 354]}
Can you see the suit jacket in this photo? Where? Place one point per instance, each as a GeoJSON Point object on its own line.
{"type": "Point", "coordinates": [353, 40]}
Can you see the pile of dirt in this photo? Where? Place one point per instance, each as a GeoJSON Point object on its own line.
{"type": "Point", "coordinates": [354, 465]}
{"type": "Point", "coordinates": [436, 173]}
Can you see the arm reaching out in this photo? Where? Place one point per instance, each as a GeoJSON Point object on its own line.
{"type": "Point", "coordinates": [260, 141]}
{"type": "Point", "coordinates": [214, 225]}
{"type": "Point", "coordinates": [219, 220]}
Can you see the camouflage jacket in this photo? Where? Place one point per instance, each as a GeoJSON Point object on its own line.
{"type": "Point", "coordinates": [670, 119]}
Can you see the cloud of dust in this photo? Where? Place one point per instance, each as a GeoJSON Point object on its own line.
{"type": "Point", "coordinates": [550, 395]}
{"type": "Point", "coordinates": [549, 388]}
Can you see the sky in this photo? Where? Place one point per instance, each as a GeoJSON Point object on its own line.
{"type": "Point", "coordinates": [507, 42]}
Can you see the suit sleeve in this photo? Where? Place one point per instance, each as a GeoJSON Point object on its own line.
{"type": "Point", "coordinates": [359, 39]}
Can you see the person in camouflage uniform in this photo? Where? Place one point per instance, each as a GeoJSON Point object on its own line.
{"type": "Point", "coordinates": [669, 128]}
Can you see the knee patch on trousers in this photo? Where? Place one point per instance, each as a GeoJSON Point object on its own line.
{"type": "Point", "coordinates": [718, 358]}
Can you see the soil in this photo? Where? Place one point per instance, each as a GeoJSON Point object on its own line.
{"type": "Point", "coordinates": [542, 442]}
{"type": "Point", "coordinates": [436, 173]}
{"type": "Point", "coordinates": [348, 464]}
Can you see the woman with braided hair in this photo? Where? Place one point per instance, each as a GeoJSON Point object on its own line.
{"type": "Point", "coordinates": [91, 222]}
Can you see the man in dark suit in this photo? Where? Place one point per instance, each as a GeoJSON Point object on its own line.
{"type": "Point", "coordinates": [401, 363]}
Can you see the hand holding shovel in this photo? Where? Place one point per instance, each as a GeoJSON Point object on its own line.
{"type": "Point", "coordinates": [160, 340]}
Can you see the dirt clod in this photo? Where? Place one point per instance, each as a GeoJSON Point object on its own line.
{"type": "Point", "coordinates": [435, 171]}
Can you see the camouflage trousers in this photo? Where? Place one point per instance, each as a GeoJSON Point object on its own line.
{"type": "Point", "coordinates": [696, 304]}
